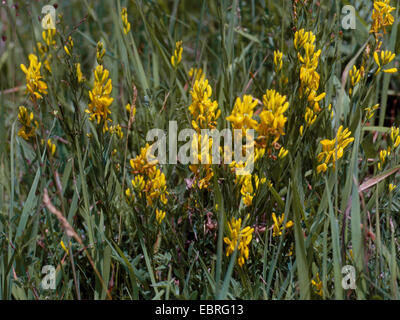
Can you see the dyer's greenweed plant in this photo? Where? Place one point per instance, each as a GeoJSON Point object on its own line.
{"type": "Point", "coordinates": [309, 189]}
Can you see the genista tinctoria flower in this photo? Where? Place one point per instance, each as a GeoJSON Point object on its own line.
{"type": "Point", "coordinates": [69, 46]}
{"type": "Point", "coordinates": [393, 144]}
{"type": "Point", "coordinates": [381, 16]}
{"type": "Point", "coordinates": [125, 22]}
{"type": "Point", "coordinates": [205, 114]}
{"type": "Point", "coordinates": [35, 86]}
{"type": "Point", "coordinates": [304, 43]}
{"type": "Point", "coordinates": [28, 124]}
{"type": "Point", "coordinates": [384, 59]}
{"type": "Point", "coordinates": [176, 58]}
{"type": "Point", "coordinates": [272, 118]}
{"type": "Point", "coordinates": [238, 238]}
{"type": "Point", "coordinates": [195, 73]}
{"type": "Point", "coordinates": [278, 224]}
{"type": "Point", "coordinates": [355, 76]}
{"type": "Point", "coordinates": [317, 285]}
{"type": "Point", "coordinates": [148, 179]}
{"type": "Point", "coordinates": [332, 150]}
{"type": "Point", "coordinates": [100, 99]}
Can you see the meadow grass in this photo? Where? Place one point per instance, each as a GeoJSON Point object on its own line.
{"type": "Point", "coordinates": [70, 207]}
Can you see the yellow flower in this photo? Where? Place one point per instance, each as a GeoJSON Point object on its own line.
{"type": "Point", "coordinates": [100, 52]}
{"type": "Point", "coordinates": [278, 227]}
{"type": "Point", "coordinates": [125, 22]}
{"type": "Point", "coordinates": [278, 60]}
{"type": "Point", "coordinates": [242, 114]}
{"type": "Point", "coordinates": [332, 150]}
{"type": "Point", "coordinates": [248, 189]}
{"type": "Point", "coordinates": [205, 114]}
{"type": "Point", "coordinates": [100, 99]}
{"type": "Point", "coordinates": [64, 247]}
{"type": "Point", "coordinates": [204, 111]}
{"type": "Point", "coordinates": [381, 16]}
{"type": "Point", "coordinates": [156, 187]}
{"type": "Point", "coordinates": [317, 284]}
{"type": "Point", "coordinates": [52, 147]}
{"type": "Point", "coordinates": [160, 215]}
{"type": "Point", "coordinates": [79, 74]}
{"type": "Point", "coordinates": [149, 179]}
{"type": "Point", "coordinates": [395, 137]}
{"type": "Point", "coordinates": [195, 73]}
{"type": "Point", "coordinates": [392, 187]}
{"type": "Point", "coordinates": [117, 130]}
{"type": "Point", "coordinates": [282, 153]}
{"type": "Point", "coordinates": [34, 85]}
{"type": "Point", "coordinates": [310, 117]}
{"type": "Point", "coordinates": [384, 59]}
{"type": "Point", "coordinates": [140, 164]}
{"type": "Point", "coordinates": [370, 111]}
{"type": "Point", "coordinates": [138, 184]}
{"type": "Point", "coordinates": [202, 171]}
{"type": "Point", "coordinates": [238, 238]}
{"type": "Point", "coordinates": [355, 77]}
{"type": "Point", "coordinates": [302, 37]}
{"type": "Point", "coordinates": [272, 118]}
{"type": "Point", "coordinates": [29, 125]}
{"type": "Point", "coordinates": [130, 197]}
{"type": "Point", "coordinates": [69, 46]}
{"type": "Point", "coordinates": [177, 56]}
{"type": "Point", "coordinates": [48, 37]}
{"type": "Point", "coordinates": [382, 156]}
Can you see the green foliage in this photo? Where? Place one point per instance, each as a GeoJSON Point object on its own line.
{"type": "Point", "coordinates": [345, 216]}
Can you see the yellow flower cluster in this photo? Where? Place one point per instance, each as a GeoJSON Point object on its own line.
{"type": "Point", "coordinates": [69, 46]}
{"type": "Point", "coordinates": [278, 62]}
{"type": "Point", "coordinates": [51, 146]}
{"type": "Point", "coordinates": [384, 59]}
{"type": "Point", "coordinates": [370, 111]}
{"type": "Point", "coordinates": [205, 114]}
{"type": "Point", "coordinates": [355, 76]}
{"type": "Point", "coordinates": [393, 145]}
{"type": "Point", "coordinates": [44, 48]}
{"type": "Point", "coordinates": [271, 126]}
{"type": "Point", "coordinates": [176, 58]}
{"type": "Point", "coordinates": [238, 238]}
{"type": "Point", "coordinates": [317, 284]}
{"type": "Point", "coordinates": [195, 73]}
{"type": "Point", "coordinates": [304, 43]}
{"type": "Point", "coordinates": [332, 150]}
{"type": "Point", "coordinates": [100, 52]}
{"type": "Point", "coordinates": [34, 83]}
{"type": "Point", "coordinates": [204, 111]}
{"type": "Point", "coordinates": [202, 143]}
{"type": "Point", "coordinates": [381, 16]}
{"type": "Point", "coordinates": [272, 118]}
{"type": "Point", "coordinates": [242, 114]}
{"type": "Point", "coordinates": [48, 37]}
{"type": "Point", "coordinates": [148, 180]}
{"type": "Point", "coordinates": [249, 189]}
{"type": "Point", "coordinates": [278, 224]}
{"type": "Point", "coordinates": [100, 99]}
{"type": "Point", "coordinates": [125, 22]}
{"type": "Point", "coordinates": [160, 215]}
{"type": "Point", "coordinates": [28, 124]}
{"type": "Point", "coordinates": [79, 74]}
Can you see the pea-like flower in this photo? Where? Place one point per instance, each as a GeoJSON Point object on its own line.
{"type": "Point", "coordinates": [332, 150]}
{"type": "Point", "coordinates": [238, 238]}
{"type": "Point", "coordinates": [34, 83]}
{"type": "Point", "coordinates": [100, 99]}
